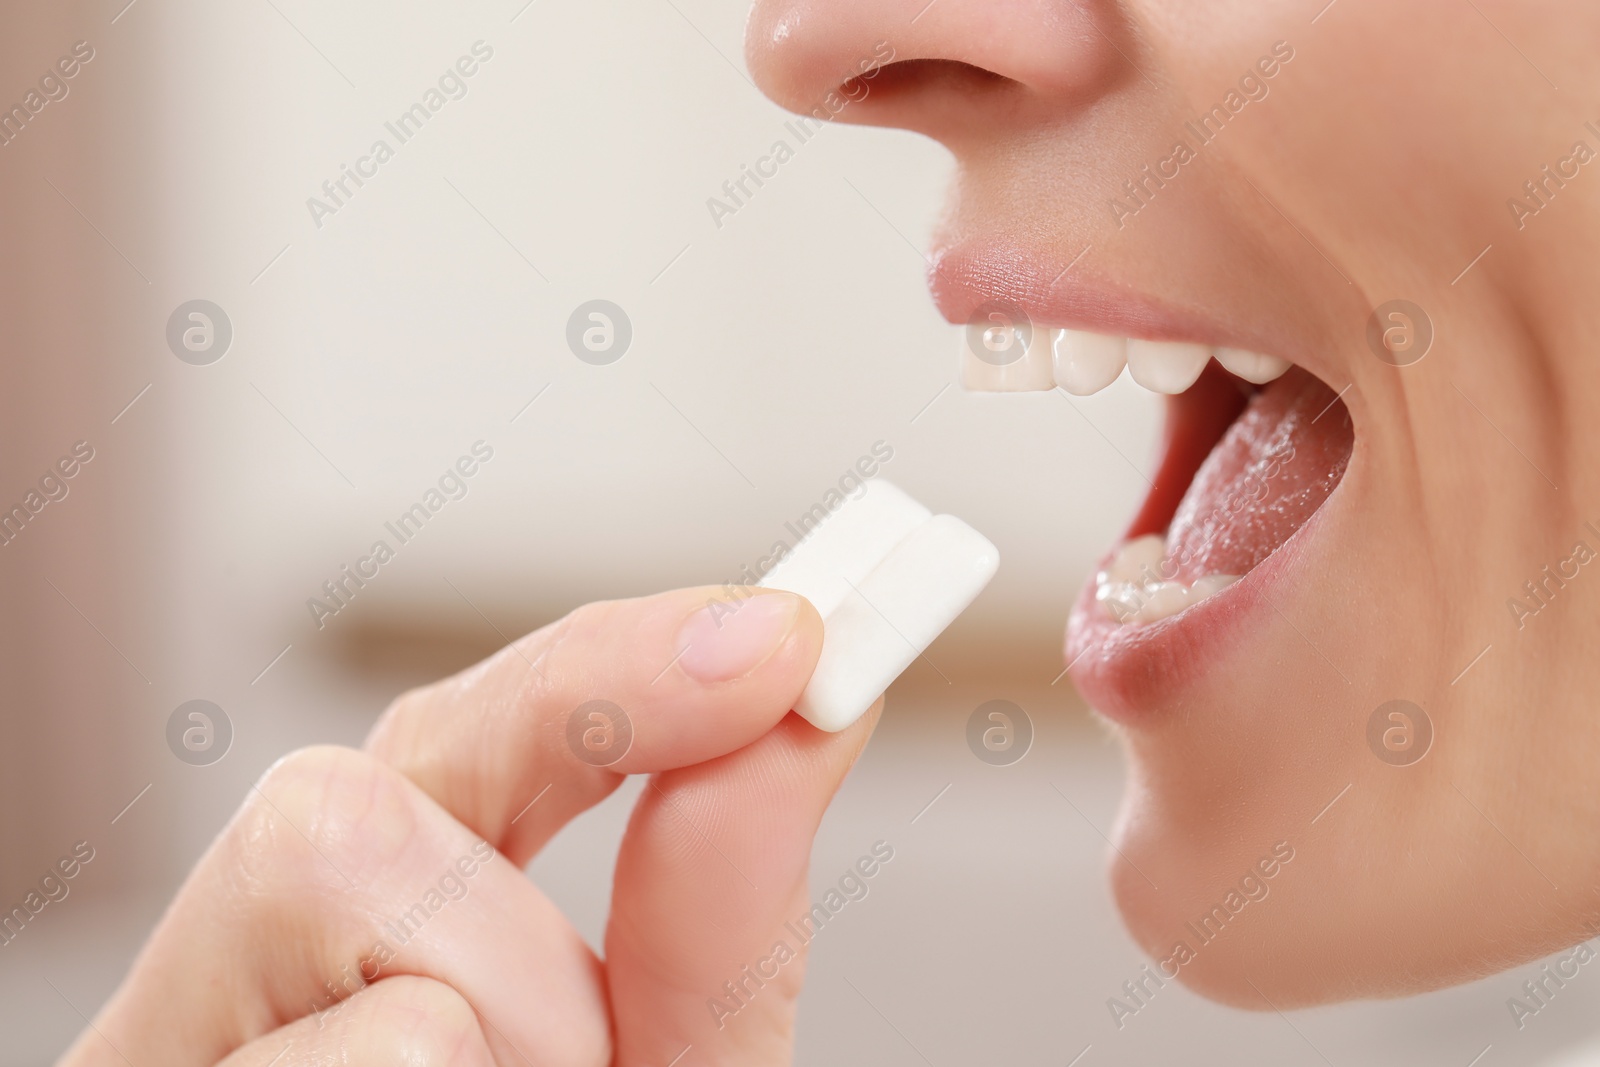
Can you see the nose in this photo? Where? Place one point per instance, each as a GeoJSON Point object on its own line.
{"type": "Point", "coordinates": [951, 69]}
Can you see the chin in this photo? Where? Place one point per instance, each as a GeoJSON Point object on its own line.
{"type": "Point", "coordinates": [1215, 922]}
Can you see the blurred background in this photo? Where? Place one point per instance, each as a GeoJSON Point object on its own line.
{"type": "Point", "coordinates": [379, 337]}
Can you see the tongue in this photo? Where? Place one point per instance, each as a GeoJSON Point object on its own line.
{"type": "Point", "coordinates": [1273, 467]}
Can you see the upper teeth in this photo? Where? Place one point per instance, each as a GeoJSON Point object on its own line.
{"type": "Point", "coordinates": [1251, 366]}
{"type": "Point", "coordinates": [1083, 363]}
{"type": "Point", "coordinates": [1087, 362]}
{"type": "Point", "coordinates": [1166, 366]}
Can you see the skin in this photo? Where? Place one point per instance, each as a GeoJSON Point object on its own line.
{"type": "Point", "coordinates": [334, 845]}
{"type": "Point", "coordinates": [1381, 164]}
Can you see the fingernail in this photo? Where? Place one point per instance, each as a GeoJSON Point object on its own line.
{"type": "Point", "coordinates": [729, 639]}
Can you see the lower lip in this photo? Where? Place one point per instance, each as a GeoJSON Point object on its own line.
{"type": "Point", "coordinates": [1132, 672]}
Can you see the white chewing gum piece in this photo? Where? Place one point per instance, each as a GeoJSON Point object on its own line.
{"type": "Point", "coordinates": [893, 615]}
{"type": "Point", "coordinates": [841, 550]}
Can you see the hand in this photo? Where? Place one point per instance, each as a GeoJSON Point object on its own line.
{"type": "Point", "coordinates": [370, 908]}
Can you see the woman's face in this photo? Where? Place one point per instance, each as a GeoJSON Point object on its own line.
{"type": "Point", "coordinates": [1275, 178]}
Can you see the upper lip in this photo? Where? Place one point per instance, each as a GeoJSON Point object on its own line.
{"type": "Point", "coordinates": [1057, 292]}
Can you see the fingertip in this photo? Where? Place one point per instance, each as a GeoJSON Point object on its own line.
{"type": "Point", "coordinates": [830, 748]}
{"type": "Point", "coordinates": [741, 657]}
{"type": "Point", "coordinates": [736, 634]}
{"type": "Point", "coordinates": [803, 647]}
{"type": "Point", "coordinates": [810, 623]}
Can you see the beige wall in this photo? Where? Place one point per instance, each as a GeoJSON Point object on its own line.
{"type": "Point", "coordinates": [74, 708]}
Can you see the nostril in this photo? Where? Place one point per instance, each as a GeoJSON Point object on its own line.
{"type": "Point", "coordinates": [907, 77]}
{"type": "Point", "coordinates": [970, 69]}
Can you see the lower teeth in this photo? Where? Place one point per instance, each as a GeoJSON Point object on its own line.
{"type": "Point", "coordinates": [1141, 585]}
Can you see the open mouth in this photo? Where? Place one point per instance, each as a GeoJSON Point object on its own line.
{"type": "Point", "coordinates": [1253, 447]}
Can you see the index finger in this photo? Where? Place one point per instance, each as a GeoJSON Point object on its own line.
{"type": "Point", "coordinates": [519, 744]}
